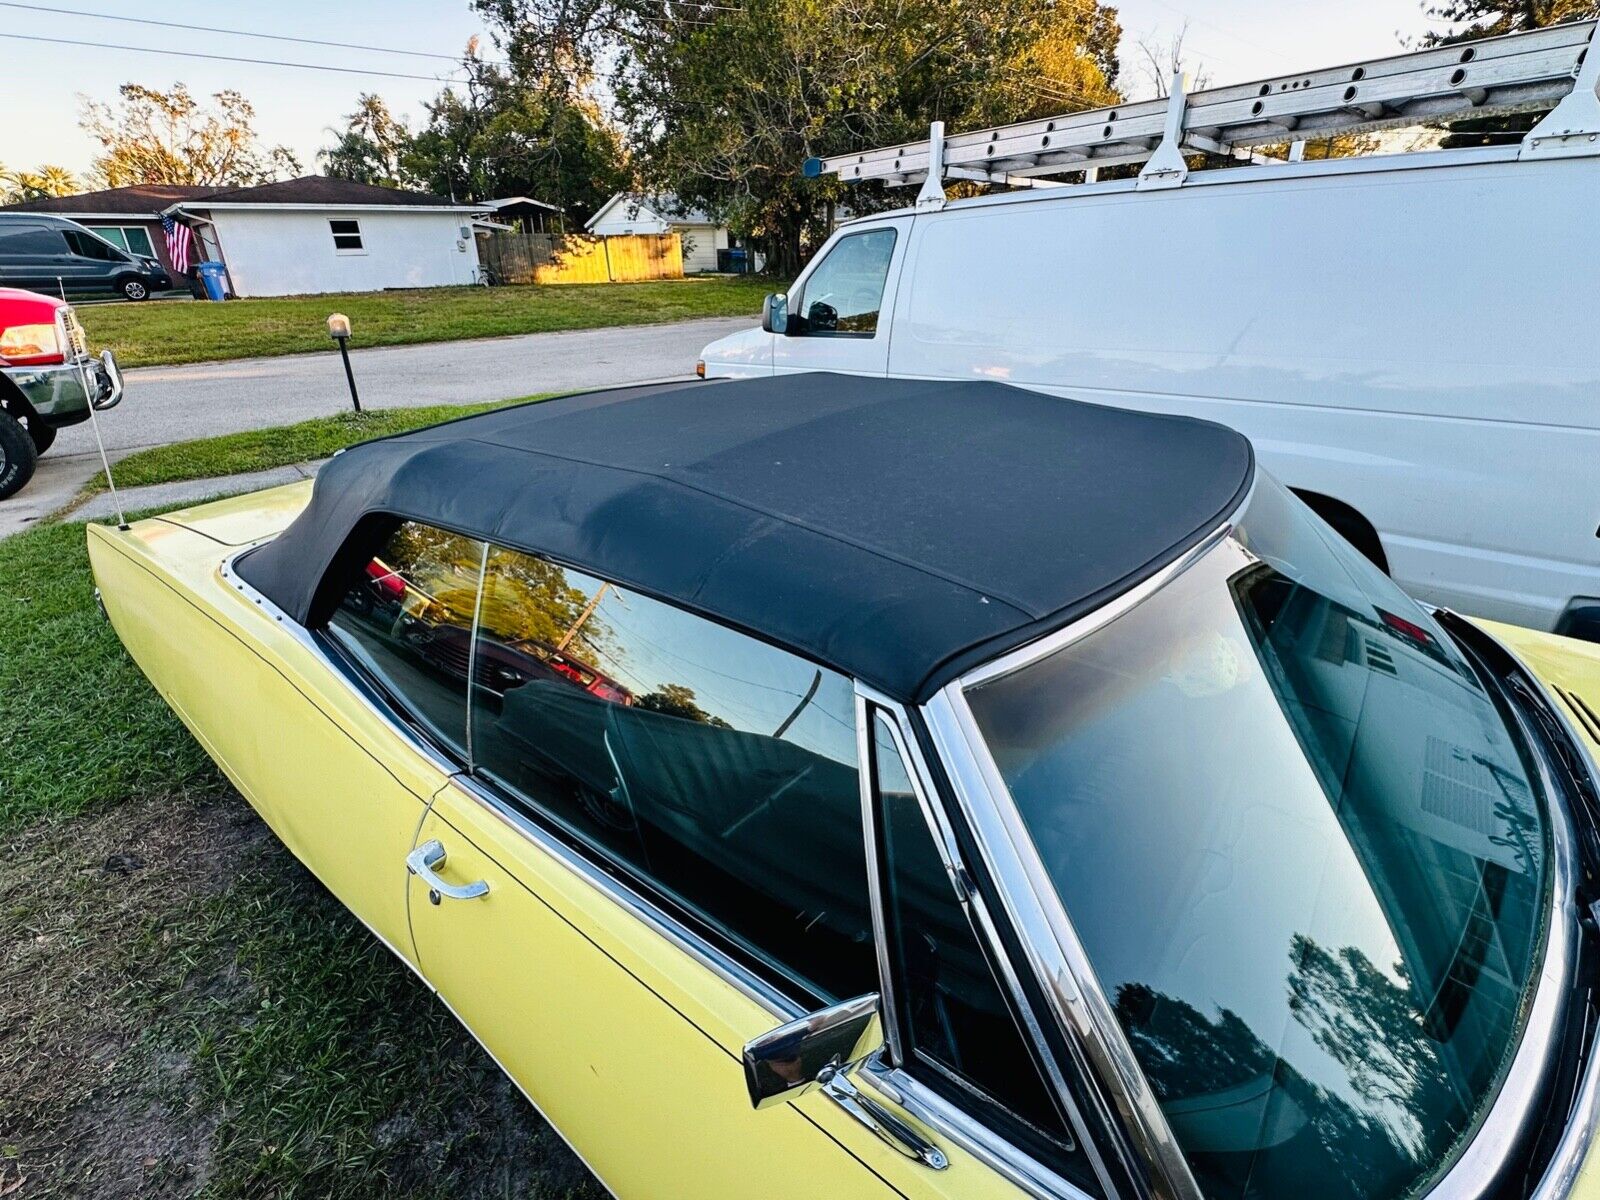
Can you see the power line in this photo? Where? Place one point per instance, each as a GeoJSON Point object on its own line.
{"type": "Point", "coordinates": [262, 62]}
{"type": "Point", "coordinates": [276, 37]}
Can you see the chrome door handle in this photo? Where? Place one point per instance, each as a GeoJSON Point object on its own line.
{"type": "Point", "coordinates": [839, 1088]}
{"type": "Point", "coordinates": [421, 861]}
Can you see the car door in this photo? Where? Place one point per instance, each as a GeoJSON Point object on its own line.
{"type": "Point", "coordinates": [658, 856]}
{"type": "Point", "coordinates": [839, 308]}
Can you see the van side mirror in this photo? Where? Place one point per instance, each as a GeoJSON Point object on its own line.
{"type": "Point", "coordinates": [775, 313]}
{"type": "Point", "coordinates": [795, 1057]}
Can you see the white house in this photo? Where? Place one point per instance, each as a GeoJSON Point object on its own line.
{"type": "Point", "coordinates": [699, 233]}
{"type": "Point", "coordinates": [317, 234]}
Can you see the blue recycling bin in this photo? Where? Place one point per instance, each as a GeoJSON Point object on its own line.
{"type": "Point", "coordinates": [214, 278]}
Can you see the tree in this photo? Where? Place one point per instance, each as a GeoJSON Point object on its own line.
{"type": "Point", "coordinates": [1468, 19]}
{"type": "Point", "coordinates": [373, 147]}
{"type": "Point", "coordinates": [678, 700]}
{"type": "Point", "coordinates": [47, 180]}
{"type": "Point", "coordinates": [152, 136]}
{"type": "Point", "coordinates": [722, 102]}
{"type": "Point", "coordinates": [507, 133]}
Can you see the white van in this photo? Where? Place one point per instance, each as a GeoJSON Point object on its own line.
{"type": "Point", "coordinates": [1410, 341]}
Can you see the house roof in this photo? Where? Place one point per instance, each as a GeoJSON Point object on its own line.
{"type": "Point", "coordinates": [518, 201]}
{"type": "Point", "coordinates": [324, 189]}
{"type": "Point", "coordinates": [665, 208]}
{"type": "Point", "coordinates": [900, 531]}
{"type": "Point", "coordinates": [141, 199]}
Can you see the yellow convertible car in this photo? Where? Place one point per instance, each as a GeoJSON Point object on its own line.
{"type": "Point", "coordinates": [836, 787]}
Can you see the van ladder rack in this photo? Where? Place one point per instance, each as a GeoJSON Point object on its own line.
{"type": "Point", "coordinates": [1514, 73]}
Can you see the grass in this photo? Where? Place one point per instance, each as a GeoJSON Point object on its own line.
{"type": "Point", "coordinates": [82, 726]}
{"type": "Point", "coordinates": [261, 449]}
{"type": "Point", "coordinates": [188, 1013]}
{"type": "Point", "coordinates": [164, 333]}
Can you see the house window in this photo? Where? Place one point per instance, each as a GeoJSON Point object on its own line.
{"type": "Point", "coordinates": [135, 239]}
{"type": "Point", "coordinates": [347, 237]}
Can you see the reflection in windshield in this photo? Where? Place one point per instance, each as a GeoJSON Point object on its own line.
{"type": "Point", "coordinates": [1302, 852]}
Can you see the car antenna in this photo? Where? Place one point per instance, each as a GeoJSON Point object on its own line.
{"type": "Point", "coordinates": [94, 421]}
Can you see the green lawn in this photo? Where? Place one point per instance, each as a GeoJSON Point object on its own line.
{"type": "Point", "coordinates": [188, 1013]}
{"type": "Point", "coordinates": [170, 332]}
{"type": "Point", "coordinates": [261, 449]}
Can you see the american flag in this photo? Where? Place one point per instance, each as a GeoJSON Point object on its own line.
{"type": "Point", "coordinates": [180, 241]}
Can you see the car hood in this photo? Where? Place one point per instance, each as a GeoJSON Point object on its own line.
{"type": "Point", "coordinates": [747, 352]}
{"type": "Point", "coordinates": [1568, 667]}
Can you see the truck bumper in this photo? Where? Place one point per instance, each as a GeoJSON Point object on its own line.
{"type": "Point", "coordinates": [57, 394]}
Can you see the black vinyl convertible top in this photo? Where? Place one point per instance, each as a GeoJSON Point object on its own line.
{"type": "Point", "coordinates": [898, 531]}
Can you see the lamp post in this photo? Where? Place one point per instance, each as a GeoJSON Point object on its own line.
{"type": "Point", "coordinates": [339, 331]}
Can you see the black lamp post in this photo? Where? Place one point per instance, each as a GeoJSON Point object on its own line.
{"type": "Point", "coordinates": [339, 331]}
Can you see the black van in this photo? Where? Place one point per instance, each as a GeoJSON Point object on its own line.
{"type": "Point", "coordinates": [44, 254]}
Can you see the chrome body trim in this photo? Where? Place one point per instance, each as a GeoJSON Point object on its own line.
{"type": "Point", "coordinates": [880, 918]}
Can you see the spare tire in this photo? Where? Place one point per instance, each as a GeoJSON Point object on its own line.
{"type": "Point", "coordinates": [17, 455]}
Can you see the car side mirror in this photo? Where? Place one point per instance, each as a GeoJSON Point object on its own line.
{"type": "Point", "coordinates": [795, 1057]}
{"type": "Point", "coordinates": [775, 313]}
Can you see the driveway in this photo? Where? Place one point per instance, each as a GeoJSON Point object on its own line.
{"type": "Point", "coordinates": [175, 404]}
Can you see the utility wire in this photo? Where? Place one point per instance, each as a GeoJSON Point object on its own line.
{"type": "Point", "coordinates": [276, 37]}
{"type": "Point", "coordinates": [263, 62]}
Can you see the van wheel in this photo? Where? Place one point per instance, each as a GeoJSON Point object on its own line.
{"type": "Point", "coordinates": [17, 455]}
{"type": "Point", "coordinates": [1348, 524]}
{"type": "Point", "coordinates": [44, 436]}
{"type": "Point", "coordinates": [135, 289]}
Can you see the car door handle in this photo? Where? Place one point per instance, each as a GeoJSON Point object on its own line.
{"type": "Point", "coordinates": [421, 861]}
{"type": "Point", "coordinates": [839, 1088]}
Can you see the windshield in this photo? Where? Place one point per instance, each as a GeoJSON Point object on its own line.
{"type": "Point", "coordinates": [1303, 852]}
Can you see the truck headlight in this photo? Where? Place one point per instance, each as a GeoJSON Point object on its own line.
{"type": "Point", "coordinates": [30, 345]}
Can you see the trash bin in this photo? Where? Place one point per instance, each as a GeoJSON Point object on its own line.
{"type": "Point", "coordinates": [739, 261]}
{"type": "Point", "coordinates": [214, 278]}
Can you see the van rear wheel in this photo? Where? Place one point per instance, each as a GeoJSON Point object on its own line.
{"type": "Point", "coordinates": [17, 455]}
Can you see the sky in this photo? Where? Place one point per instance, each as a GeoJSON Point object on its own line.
{"type": "Point", "coordinates": [1228, 41]}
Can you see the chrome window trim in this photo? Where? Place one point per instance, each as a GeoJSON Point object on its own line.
{"type": "Point", "coordinates": [1127, 1104]}
{"type": "Point", "coordinates": [1062, 964]}
{"type": "Point", "coordinates": [998, 1152]}
{"type": "Point", "coordinates": [971, 1134]}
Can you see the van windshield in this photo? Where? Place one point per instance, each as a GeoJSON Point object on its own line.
{"type": "Point", "coordinates": [1304, 852]}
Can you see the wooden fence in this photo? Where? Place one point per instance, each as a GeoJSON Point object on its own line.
{"type": "Point", "coordinates": [517, 257]}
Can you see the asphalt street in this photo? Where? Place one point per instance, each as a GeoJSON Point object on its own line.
{"type": "Point", "coordinates": [174, 404]}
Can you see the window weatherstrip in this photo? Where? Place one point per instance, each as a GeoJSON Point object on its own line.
{"type": "Point", "coordinates": [472, 646]}
{"type": "Point", "coordinates": [1016, 1164]}
{"type": "Point", "coordinates": [866, 757]}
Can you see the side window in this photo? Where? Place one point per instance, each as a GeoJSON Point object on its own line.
{"type": "Point", "coordinates": [347, 237]}
{"type": "Point", "coordinates": [86, 245]}
{"type": "Point", "coordinates": [408, 621]}
{"type": "Point", "coordinates": [118, 237]}
{"type": "Point", "coordinates": [716, 768]}
{"type": "Point", "coordinates": [135, 239]}
{"type": "Point", "coordinates": [843, 295]}
{"type": "Point", "coordinates": [958, 1034]}
{"type": "Point", "coordinates": [29, 241]}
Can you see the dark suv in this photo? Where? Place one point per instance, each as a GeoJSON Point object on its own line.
{"type": "Point", "coordinates": [45, 254]}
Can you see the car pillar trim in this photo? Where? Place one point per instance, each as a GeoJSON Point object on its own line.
{"type": "Point", "coordinates": [1150, 1154]}
{"type": "Point", "coordinates": [977, 911]}
{"type": "Point", "coordinates": [867, 774]}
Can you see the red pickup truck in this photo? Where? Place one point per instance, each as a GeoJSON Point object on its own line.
{"type": "Point", "coordinates": [48, 379]}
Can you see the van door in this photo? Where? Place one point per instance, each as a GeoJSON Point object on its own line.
{"type": "Point", "coordinates": [37, 258]}
{"type": "Point", "coordinates": [839, 308]}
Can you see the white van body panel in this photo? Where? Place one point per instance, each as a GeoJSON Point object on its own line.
{"type": "Point", "coordinates": [1412, 336]}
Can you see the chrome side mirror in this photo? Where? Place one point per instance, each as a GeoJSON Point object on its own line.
{"type": "Point", "coordinates": [796, 1056]}
{"type": "Point", "coordinates": [775, 313]}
